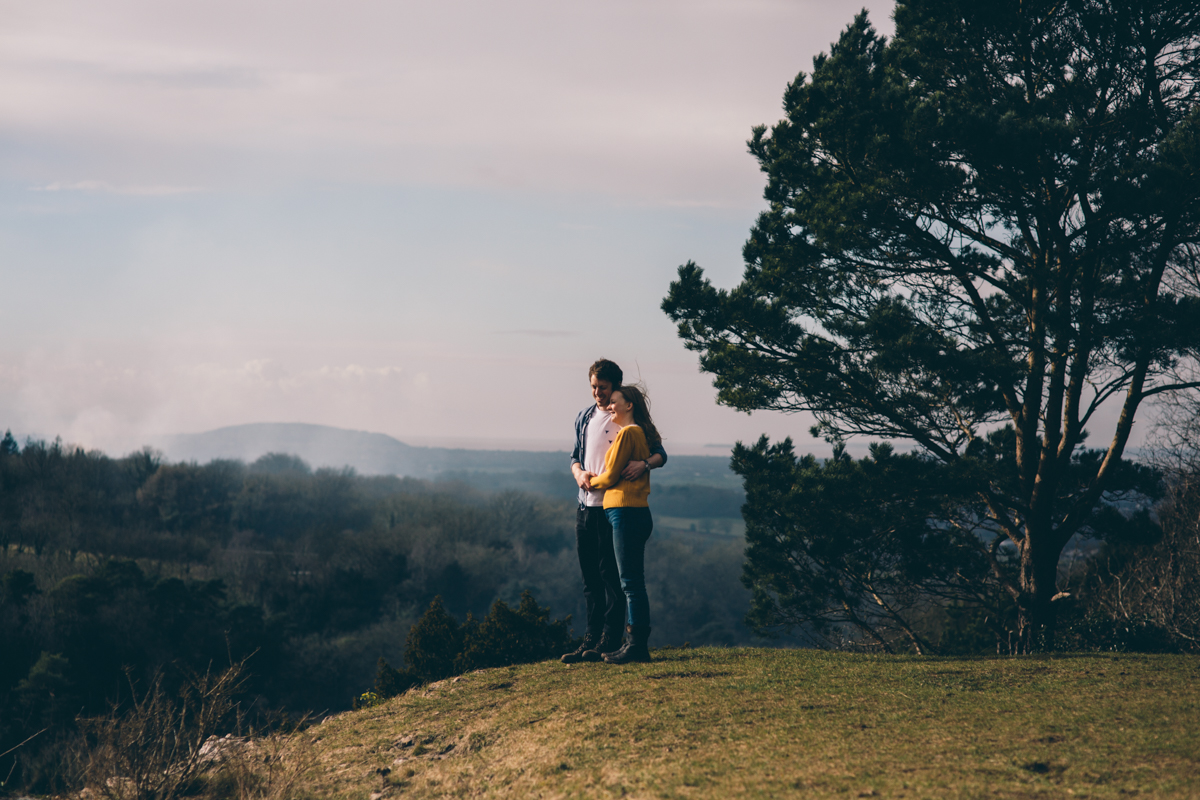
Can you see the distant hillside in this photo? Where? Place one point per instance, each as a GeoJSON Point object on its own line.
{"type": "Point", "coordinates": [319, 445]}
{"type": "Point", "coordinates": [379, 454]}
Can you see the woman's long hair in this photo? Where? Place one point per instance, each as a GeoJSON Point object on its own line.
{"type": "Point", "coordinates": [641, 412]}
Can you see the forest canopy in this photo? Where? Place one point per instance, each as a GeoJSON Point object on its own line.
{"type": "Point", "coordinates": [116, 572]}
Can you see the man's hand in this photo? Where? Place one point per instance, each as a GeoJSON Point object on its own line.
{"type": "Point", "coordinates": [583, 479]}
{"type": "Point", "coordinates": [633, 470]}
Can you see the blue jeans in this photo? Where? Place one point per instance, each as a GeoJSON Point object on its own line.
{"type": "Point", "coordinates": [631, 529]}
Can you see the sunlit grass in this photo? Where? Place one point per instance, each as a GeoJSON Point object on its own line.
{"type": "Point", "coordinates": [775, 723]}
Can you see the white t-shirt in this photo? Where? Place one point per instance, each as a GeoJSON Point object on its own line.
{"type": "Point", "coordinates": [600, 434]}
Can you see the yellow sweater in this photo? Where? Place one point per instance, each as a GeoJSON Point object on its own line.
{"type": "Point", "coordinates": [630, 445]}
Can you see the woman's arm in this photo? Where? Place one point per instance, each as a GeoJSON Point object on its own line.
{"type": "Point", "coordinates": [634, 469]}
{"type": "Point", "coordinates": [618, 455]}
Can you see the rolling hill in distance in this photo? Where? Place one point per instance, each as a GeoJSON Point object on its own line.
{"type": "Point", "coordinates": [379, 454]}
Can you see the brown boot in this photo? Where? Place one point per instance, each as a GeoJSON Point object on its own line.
{"type": "Point", "coordinates": [579, 653]}
{"type": "Point", "coordinates": [635, 649]}
{"type": "Point", "coordinates": [608, 644]}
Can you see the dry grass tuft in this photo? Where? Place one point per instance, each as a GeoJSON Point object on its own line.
{"type": "Point", "coordinates": [164, 747]}
{"type": "Point", "coordinates": [154, 751]}
{"type": "Point", "coordinates": [272, 767]}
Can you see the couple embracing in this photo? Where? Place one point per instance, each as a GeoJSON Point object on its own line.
{"type": "Point", "coordinates": [616, 447]}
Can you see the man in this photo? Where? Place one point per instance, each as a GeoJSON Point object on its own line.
{"type": "Point", "coordinates": [602, 593]}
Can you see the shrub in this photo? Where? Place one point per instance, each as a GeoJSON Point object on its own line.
{"type": "Point", "coordinates": [438, 646]}
{"type": "Point", "coordinates": [389, 682]}
{"type": "Point", "coordinates": [433, 643]}
{"type": "Point", "coordinates": [508, 637]}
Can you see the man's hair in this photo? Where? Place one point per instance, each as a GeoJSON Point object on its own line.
{"type": "Point", "coordinates": [606, 370]}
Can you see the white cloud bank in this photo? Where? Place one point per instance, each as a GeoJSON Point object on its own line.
{"type": "Point", "coordinates": [377, 215]}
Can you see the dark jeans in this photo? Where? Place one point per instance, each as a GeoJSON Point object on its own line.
{"type": "Point", "coordinates": [631, 530]}
{"type": "Point", "coordinates": [601, 580]}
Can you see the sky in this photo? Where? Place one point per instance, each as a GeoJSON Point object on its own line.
{"type": "Point", "coordinates": [418, 219]}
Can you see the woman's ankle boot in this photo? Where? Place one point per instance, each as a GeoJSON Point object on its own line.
{"type": "Point", "coordinates": [636, 649]}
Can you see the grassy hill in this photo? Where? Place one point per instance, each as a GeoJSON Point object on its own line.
{"type": "Point", "coordinates": [719, 723]}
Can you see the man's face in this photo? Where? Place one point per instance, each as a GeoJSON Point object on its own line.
{"type": "Point", "coordinates": [601, 390]}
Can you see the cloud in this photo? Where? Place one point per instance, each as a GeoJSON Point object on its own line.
{"type": "Point", "coordinates": [356, 371]}
{"type": "Point", "coordinates": [119, 402]}
{"type": "Point", "coordinates": [103, 186]}
{"type": "Point", "coordinates": [542, 334]}
{"type": "Point", "coordinates": [373, 193]}
{"type": "Point", "coordinates": [647, 101]}
{"type": "Point", "coordinates": [269, 373]}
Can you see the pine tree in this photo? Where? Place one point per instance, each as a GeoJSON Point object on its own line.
{"type": "Point", "coordinates": [990, 222]}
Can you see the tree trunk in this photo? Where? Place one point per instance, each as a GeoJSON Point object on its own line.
{"type": "Point", "coordinates": [1038, 584]}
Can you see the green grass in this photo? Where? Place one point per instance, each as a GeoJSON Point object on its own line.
{"type": "Point", "coordinates": [756, 723]}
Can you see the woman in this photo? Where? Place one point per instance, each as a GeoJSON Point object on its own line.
{"type": "Point", "coordinates": [626, 504]}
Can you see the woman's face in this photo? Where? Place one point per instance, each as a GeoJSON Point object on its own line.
{"type": "Point", "coordinates": [618, 406]}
